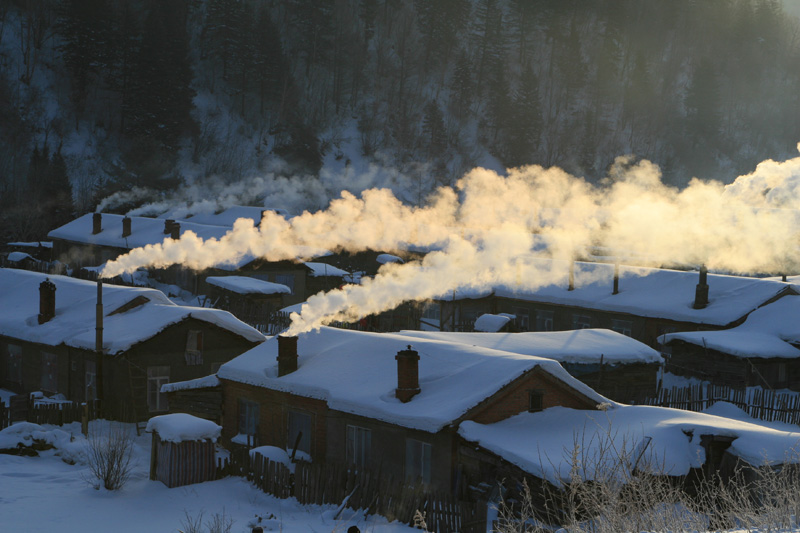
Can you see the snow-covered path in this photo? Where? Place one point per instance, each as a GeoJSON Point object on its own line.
{"type": "Point", "coordinates": [46, 494]}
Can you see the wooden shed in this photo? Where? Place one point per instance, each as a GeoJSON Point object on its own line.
{"type": "Point", "coordinates": [183, 449]}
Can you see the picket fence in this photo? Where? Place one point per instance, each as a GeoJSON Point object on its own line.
{"type": "Point", "coordinates": [763, 404]}
{"type": "Point", "coordinates": [347, 486]}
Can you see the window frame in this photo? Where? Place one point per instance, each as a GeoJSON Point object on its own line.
{"type": "Point", "coordinates": [622, 326]}
{"type": "Point", "coordinates": [49, 377]}
{"type": "Point", "coordinates": [14, 363]}
{"type": "Point", "coordinates": [581, 321]}
{"type": "Point", "coordinates": [248, 414]}
{"type": "Point", "coordinates": [193, 353]}
{"type": "Point", "coordinates": [358, 445]}
{"type": "Point", "coordinates": [535, 400]}
{"type": "Point", "coordinates": [156, 378]}
{"type": "Point", "coordinates": [545, 320]}
{"type": "Point", "coordinates": [418, 465]}
{"type": "Point", "coordinates": [306, 442]}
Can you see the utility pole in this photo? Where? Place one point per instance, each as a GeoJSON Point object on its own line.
{"type": "Point", "coordinates": [98, 348]}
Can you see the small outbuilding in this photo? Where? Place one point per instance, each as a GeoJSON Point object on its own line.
{"type": "Point", "coordinates": [183, 450]}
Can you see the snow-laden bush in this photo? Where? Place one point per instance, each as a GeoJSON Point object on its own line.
{"type": "Point", "coordinates": [619, 488]}
{"type": "Point", "coordinates": [109, 455]}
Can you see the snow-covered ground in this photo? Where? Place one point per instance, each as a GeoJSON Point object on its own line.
{"type": "Point", "coordinates": [46, 494]}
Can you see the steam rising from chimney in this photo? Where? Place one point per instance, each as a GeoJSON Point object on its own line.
{"type": "Point", "coordinates": [485, 227]}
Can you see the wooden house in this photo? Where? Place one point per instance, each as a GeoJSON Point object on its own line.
{"type": "Point", "coordinates": [613, 364]}
{"type": "Point", "coordinates": [383, 401]}
{"type": "Point", "coordinates": [49, 335]}
{"type": "Point", "coordinates": [763, 351]}
{"type": "Point", "coordinates": [642, 303]}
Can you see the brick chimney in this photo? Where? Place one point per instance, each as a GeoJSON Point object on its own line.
{"type": "Point", "coordinates": [175, 231]}
{"type": "Point", "coordinates": [47, 300]}
{"type": "Point", "coordinates": [287, 354]}
{"type": "Point", "coordinates": [701, 292]}
{"type": "Point", "coordinates": [126, 227]}
{"type": "Point", "coordinates": [168, 226]}
{"type": "Point", "coordinates": [97, 224]}
{"type": "Point", "coordinates": [407, 374]}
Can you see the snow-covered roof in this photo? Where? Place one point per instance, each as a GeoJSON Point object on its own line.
{"type": "Point", "coordinates": [324, 269]}
{"type": "Point", "coordinates": [16, 257]}
{"type": "Point", "coordinates": [74, 321]}
{"type": "Point", "coordinates": [200, 383]}
{"type": "Point", "coordinates": [770, 331]}
{"type": "Point", "coordinates": [356, 372]}
{"type": "Point", "coordinates": [648, 292]}
{"type": "Point", "coordinates": [248, 285]}
{"type": "Point", "coordinates": [180, 427]}
{"type": "Point", "coordinates": [492, 323]}
{"type": "Point", "coordinates": [144, 231]}
{"type": "Point", "coordinates": [388, 258]}
{"type": "Point", "coordinates": [578, 346]}
{"type": "Point", "coordinates": [225, 217]}
{"type": "Point", "coordinates": [540, 443]}
{"type": "Point", "coordinates": [34, 244]}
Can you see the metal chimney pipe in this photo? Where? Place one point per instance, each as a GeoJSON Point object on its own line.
{"type": "Point", "coordinates": [616, 278]}
{"type": "Point", "coordinates": [571, 276]}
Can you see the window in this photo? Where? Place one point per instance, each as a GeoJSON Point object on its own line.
{"type": "Point", "coordinates": [90, 381]}
{"type": "Point", "coordinates": [418, 461]}
{"type": "Point", "coordinates": [285, 279]}
{"type": "Point", "coordinates": [359, 443]}
{"type": "Point", "coordinates": [535, 400]}
{"type": "Point", "coordinates": [14, 363]}
{"type": "Point", "coordinates": [581, 322]}
{"type": "Point", "coordinates": [194, 347]}
{"type": "Point", "coordinates": [156, 377]}
{"type": "Point", "coordinates": [622, 326]}
{"type": "Point", "coordinates": [248, 418]}
{"type": "Point", "coordinates": [299, 426]}
{"type": "Point", "coordinates": [544, 320]}
{"type": "Point", "coordinates": [780, 372]}
{"type": "Point", "coordinates": [49, 372]}
{"type": "Point", "coordinates": [523, 318]}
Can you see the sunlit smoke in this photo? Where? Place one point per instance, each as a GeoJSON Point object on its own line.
{"type": "Point", "coordinates": [485, 228]}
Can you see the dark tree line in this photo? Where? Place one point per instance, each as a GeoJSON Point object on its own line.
{"type": "Point", "coordinates": [702, 88]}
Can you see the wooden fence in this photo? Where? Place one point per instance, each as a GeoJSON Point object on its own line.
{"type": "Point", "coordinates": [5, 415]}
{"type": "Point", "coordinates": [763, 404]}
{"type": "Point", "coordinates": [346, 486]}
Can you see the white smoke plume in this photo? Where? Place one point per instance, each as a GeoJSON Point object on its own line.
{"type": "Point", "coordinates": [271, 189]}
{"type": "Point", "coordinates": [486, 226]}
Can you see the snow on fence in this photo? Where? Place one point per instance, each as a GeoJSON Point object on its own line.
{"type": "Point", "coordinates": [346, 486]}
{"type": "Point", "coordinates": [58, 414]}
{"type": "Point", "coordinates": [763, 404]}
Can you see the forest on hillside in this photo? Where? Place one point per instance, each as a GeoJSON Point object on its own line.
{"type": "Point", "coordinates": [98, 96]}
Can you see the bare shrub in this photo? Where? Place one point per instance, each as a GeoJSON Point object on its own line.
{"type": "Point", "coordinates": [218, 523]}
{"type": "Point", "coordinates": [110, 458]}
{"type": "Point", "coordinates": [190, 523]}
{"type": "Point", "coordinates": [612, 487]}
